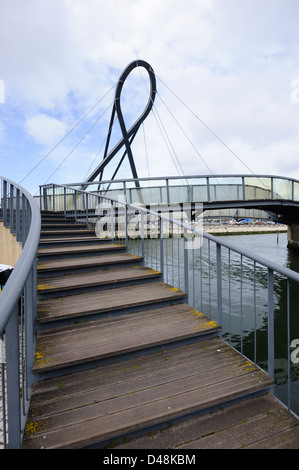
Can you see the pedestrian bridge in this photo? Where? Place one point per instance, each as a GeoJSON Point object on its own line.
{"type": "Point", "coordinates": [254, 196]}
{"type": "Point", "coordinates": [103, 337]}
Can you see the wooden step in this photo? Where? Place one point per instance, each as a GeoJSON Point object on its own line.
{"type": "Point", "coordinates": [62, 226]}
{"type": "Point", "coordinates": [110, 300]}
{"type": "Point", "coordinates": [87, 240]}
{"type": "Point", "coordinates": [105, 338]}
{"type": "Point", "coordinates": [64, 251]}
{"type": "Point", "coordinates": [259, 423]}
{"type": "Point", "coordinates": [57, 220]}
{"type": "Point", "coordinates": [104, 403]}
{"type": "Point", "coordinates": [87, 262]}
{"type": "Point", "coordinates": [104, 277]}
{"type": "Point", "coordinates": [66, 233]}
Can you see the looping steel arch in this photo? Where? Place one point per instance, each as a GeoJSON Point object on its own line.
{"type": "Point", "coordinates": [128, 135]}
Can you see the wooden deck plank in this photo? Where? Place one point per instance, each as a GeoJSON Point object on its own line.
{"type": "Point", "coordinates": [181, 312]}
{"type": "Point", "coordinates": [180, 374]}
{"type": "Point", "coordinates": [66, 233]}
{"type": "Point", "coordinates": [118, 407]}
{"type": "Point", "coordinates": [259, 423]}
{"type": "Point", "coordinates": [140, 390]}
{"type": "Point", "coordinates": [144, 392]}
{"type": "Point", "coordinates": [147, 365]}
{"type": "Point", "coordinates": [70, 250]}
{"type": "Point", "coordinates": [138, 366]}
{"type": "Point", "coordinates": [102, 339]}
{"type": "Point", "coordinates": [106, 301]}
{"type": "Point", "coordinates": [88, 261]}
{"type": "Point", "coordinates": [95, 278]}
{"type": "Point", "coordinates": [63, 225]}
{"type": "Point", "coordinates": [83, 240]}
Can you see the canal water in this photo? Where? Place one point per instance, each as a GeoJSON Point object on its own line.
{"type": "Point", "coordinates": [244, 298]}
{"type": "Point", "coordinates": [274, 248]}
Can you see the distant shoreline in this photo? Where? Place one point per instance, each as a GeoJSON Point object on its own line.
{"type": "Point", "coordinates": [222, 230]}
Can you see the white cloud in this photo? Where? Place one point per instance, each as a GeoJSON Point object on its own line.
{"type": "Point", "coordinates": [44, 129]}
{"type": "Point", "coordinates": [231, 62]}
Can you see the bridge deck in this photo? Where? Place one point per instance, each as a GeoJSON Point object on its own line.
{"type": "Point", "coordinates": [126, 354]}
{"type": "Point", "coordinates": [116, 399]}
{"type": "Point", "coordinates": [259, 423]}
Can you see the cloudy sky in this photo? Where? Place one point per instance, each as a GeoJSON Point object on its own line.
{"type": "Point", "coordinates": [227, 81]}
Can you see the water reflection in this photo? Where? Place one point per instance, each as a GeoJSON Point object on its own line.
{"type": "Point", "coordinates": [244, 298]}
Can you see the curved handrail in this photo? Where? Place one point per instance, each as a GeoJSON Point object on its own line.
{"type": "Point", "coordinates": [18, 304]}
{"type": "Point", "coordinates": [185, 177]}
{"type": "Point", "coordinates": [16, 282]}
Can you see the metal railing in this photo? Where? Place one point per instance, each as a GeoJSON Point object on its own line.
{"type": "Point", "coordinates": [227, 196]}
{"type": "Point", "coordinates": [254, 299]}
{"type": "Point", "coordinates": [200, 188]}
{"type": "Point", "coordinates": [21, 215]}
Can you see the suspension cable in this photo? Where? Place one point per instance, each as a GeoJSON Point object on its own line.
{"type": "Point", "coordinates": [201, 157]}
{"type": "Point", "coordinates": [146, 155]}
{"type": "Point", "coordinates": [155, 111]}
{"type": "Point", "coordinates": [68, 133]}
{"type": "Point", "coordinates": [78, 143]}
{"type": "Point", "coordinates": [210, 130]}
{"type": "Point", "coordinates": [170, 144]}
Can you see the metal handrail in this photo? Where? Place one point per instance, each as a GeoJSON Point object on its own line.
{"type": "Point", "coordinates": [18, 304]}
{"type": "Point", "coordinates": [185, 177]}
{"type": "Point", "coordinates": [261, 194]}
{"type": "Point", "coordinates": [17, 280]}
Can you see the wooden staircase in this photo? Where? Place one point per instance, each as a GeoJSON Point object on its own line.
{"type": "Point", "coordinates": [119, 351]}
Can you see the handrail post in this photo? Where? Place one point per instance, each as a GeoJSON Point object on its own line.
{"type": "Point", "coordinates": [112, 220]}
{"type": "Point", "coordinates": [186, 279]}
{"type": "Point", "coordinates": [208, 189]}
{"type": "Point", "coordinates": [53, 205]}
{"type": "Point", "coordinates": [40, 197]}
{"type": "Point", "coordinates": [167, 191]}
{"type": "Point", "coordinates": [30, 317]}
{"type": "Point", "coordinates": [270, 323]}
{"type": "Point", "coordinates": [5, 203]}
{"type": "Point", "coordinates": [13, 380]}
{"type": "Point", "coordinates": [75, 204]}
{"type": "Point", "coordinates": [142, 235]}
{"type": "Point", "coordinates": [11, 217]}
{"type": "Point", "coordinates": [161, 248]}
{"type": "Point", "coordinates": [23, 220]}
{"type": "Point", "coordinates": [219, 283]}
{"type": "Point", "coordinates": [18, 216]}
{"type": "Point", "coordinates": [44, 198]}
{"type": "Point", "coordinates": [64, 202]}
{"type": "Point", "coordinates": [86, 209]}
